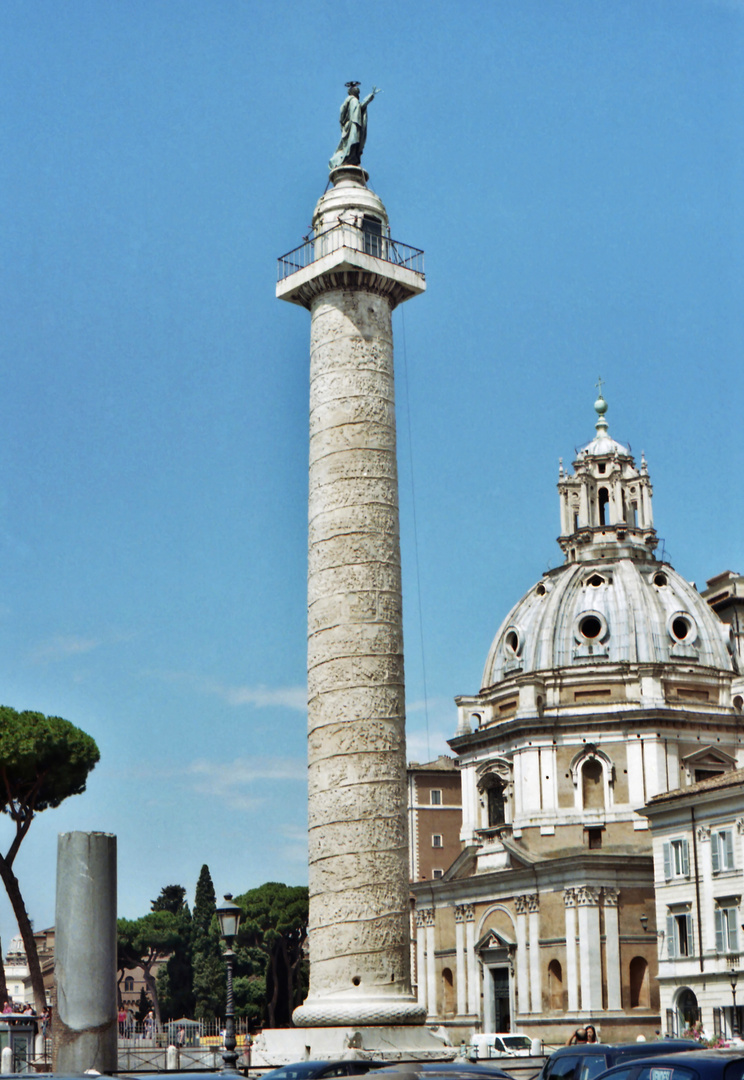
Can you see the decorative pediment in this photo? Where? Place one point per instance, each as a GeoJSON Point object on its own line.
{"type": "Point", "coordinates": [496, 768]}
{"type": "Point", "coordinates": [492, 940]}
{"type": "Point", "coordinates": [709, 755]}
{"type": "Point", "coordinates": [708, 759]}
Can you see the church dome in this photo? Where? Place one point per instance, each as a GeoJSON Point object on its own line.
{"type": "Point", "coordinates": [612, 601]}
{"type": "Point", "coordinates": [620, 611]}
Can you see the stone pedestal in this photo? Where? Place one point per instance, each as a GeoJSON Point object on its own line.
{"type": "Point", "coordinates": [282, 1046]}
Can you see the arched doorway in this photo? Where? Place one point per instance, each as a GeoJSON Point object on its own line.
{"type": "Point", "coordinates": [688, 1011]}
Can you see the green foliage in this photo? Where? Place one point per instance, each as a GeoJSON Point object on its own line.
{"type": "Point", "coordinates": [172, 898]}
{"type": "Point", "coordinates": [205, 903]}
{"type": "Point", "coordinates": [206, 953]}
{"type": "Point", "coordinates": [143, 1006]}
{"type": "Point", "coordinates": [43, 760]}
{"type": "Point", "coordinates": [142, 942]}
{"type": "Point", "coordinates": [175, 978]}
{"type": "Point", "coordinates": [250, 997]}
{"type": "Point", "coordinates": [272, 937]}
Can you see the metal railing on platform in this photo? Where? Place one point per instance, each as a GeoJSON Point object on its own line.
{"type": "Point", "coordinates": [358, 239]}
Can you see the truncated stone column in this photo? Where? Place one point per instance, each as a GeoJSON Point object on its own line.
{"type": "Point", "coordinates": [85, 1024]}
{"type": "Point", "coordinates": [358, 859]}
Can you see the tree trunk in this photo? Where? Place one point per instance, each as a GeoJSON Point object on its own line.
{"type": "Point", "coordinates": [3, 984]}
{"type": "Point", "coordinates": [10, 881]}
{"type": "Point", "coordinates": [153, 992]}
{"type": "Point", "coordinates": [274, 989]}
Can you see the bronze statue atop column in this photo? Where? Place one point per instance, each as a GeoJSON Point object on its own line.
{"type": "Point", "coordinates": [353, 120]}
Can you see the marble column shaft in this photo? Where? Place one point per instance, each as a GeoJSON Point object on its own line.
{"type": "Point", "coordinates": [356, 725]}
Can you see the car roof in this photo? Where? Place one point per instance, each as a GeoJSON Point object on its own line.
{"type": "Point", "coordinates": [445, 1068]}
{"type": "Point", "coordinates": [591, 1048]}
{"type": "Point", "coordinates": [705, 1053]}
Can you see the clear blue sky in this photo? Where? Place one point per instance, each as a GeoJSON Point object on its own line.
{"type": "Point", "coordinates": [575, 173]}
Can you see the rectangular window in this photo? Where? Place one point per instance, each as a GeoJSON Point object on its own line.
{"type": "Point", "coordinates": [679, 934]}
{"type": "Point", "coordinates": [727, 929]}
{"type": "Point", "coordinates": [435, 797]}
{"type": "Point", "coordinates": [436, 840]}
{"type": "Point", "coordinates": [676, 859]}
{"type": "Point", "coordinates": [437, 873]}
{"type": "Point", "coordinates": [722, 850]}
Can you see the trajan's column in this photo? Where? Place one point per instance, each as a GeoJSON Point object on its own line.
{"type": "Point", "coordinates": [350, 275]}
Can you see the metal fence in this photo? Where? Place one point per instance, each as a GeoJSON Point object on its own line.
{"type": "Point", "coordinates": [358, 239]}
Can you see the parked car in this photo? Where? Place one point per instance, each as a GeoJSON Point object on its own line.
{"type": "Point", "coordinates": [315, 1070]}
{"type": "Point", "coordinates": [502, 1044]}
{"type": "Point", "coordinates": [703, 1064]}
{"type": "Point", "coordinates": [585, 1061]}
{"type": "Point", "coordinates": [445, 1070]}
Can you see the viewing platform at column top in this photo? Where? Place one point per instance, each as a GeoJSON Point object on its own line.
{"type": "Point", "coordinates": [350, 247]}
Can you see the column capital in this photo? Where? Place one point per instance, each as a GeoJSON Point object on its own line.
{"type": "Point", "coordinates": [424, 917]}
{"type": "Point", "coordinates": [533, 901]}
{"type": "Point", "coordinates": [569, 897]}
{"type": "Point", "coordinates": [587, 896]}
{"type": "Point", "coordinates": [520, 902]}
{"type": "Point", "coordinates": [469, 911]}
{"type": "Point", "coordinates": [611, 897]}
{"type": "Point", "coordinates": [740, 825]}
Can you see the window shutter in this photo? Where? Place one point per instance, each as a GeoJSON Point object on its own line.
{"type": "Point", "coordinates": [685, 859]}
{"type": "Point", "coordinates": [733, 930]}
{"type": "Point", "coordinates": [728, 839]}
{"type": "Point", "coordinates": [716, 1023]}
{"type": "Point", "coordinates": [667, 861]}
{"type": "Point", "coordinates": [671, 943]}
{"type": "Point", "coordinates": [720, 947]}
{"type": "Point", "coordinates": [690, 942]}
{"type": "Point", "coordinates": [714, 852]}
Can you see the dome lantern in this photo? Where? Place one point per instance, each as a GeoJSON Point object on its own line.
{"type": "Point", "coordinates": [606, 507]}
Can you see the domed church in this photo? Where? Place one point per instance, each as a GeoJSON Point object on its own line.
{"type": "Point", "coordinates": [608, 683]}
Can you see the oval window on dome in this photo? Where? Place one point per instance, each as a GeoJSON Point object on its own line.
{"type": "Point", "coordinates": [596, 580]}
{"type": "Point", "coordinates": [590, 627]}
{"type": "Point", "coordinates": [512, 642]}
{"type": "Point", "coordinates": [660, 579]}
{"type": "Point", "coordinates": [681, 627]}
{"type": "Point", "coordinates": [540, 589]}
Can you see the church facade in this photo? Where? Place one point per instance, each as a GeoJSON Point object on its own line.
{"type": "Point", "coordinates": [608, 683]}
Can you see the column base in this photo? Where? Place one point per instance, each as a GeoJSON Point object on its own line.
{"type": "Point", "coordinates": [370, 1012]}
{"type": "Point", "coordinates": [282, 1046]}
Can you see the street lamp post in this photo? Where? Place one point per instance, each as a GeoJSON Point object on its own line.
{"type": "Point", "coordinates": [229, 918]}
{"type": "Point", "coordinates": [735, 1019]}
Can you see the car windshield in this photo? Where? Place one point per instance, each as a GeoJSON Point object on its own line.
{"type": "Point", "coordinates": [592, 1065]}
{"type": "Point", "coordinates": [517, 1042]}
